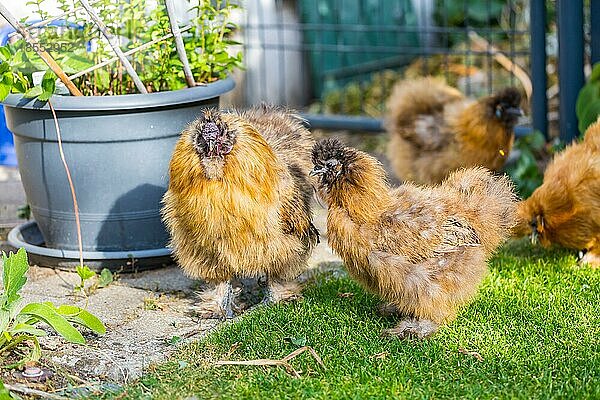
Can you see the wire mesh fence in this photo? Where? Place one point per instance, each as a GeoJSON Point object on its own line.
{"type": "Point", "coordinates": [342, 56]}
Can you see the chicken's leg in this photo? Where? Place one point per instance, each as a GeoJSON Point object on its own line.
{"type": "Point", "coordinates": [418, 328]}
{"type": "Point", "coordinates": [218, 302]}
{"type": "Point", "coordinates": [227, 300]}
{"type": "Point", "coordinates": [278, 290]}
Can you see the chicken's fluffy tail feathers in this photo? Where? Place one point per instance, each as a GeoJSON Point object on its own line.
{"type": "Point", "coordinates": [414, 97]}
{"type": "Point", "coordinates": [490, 202]}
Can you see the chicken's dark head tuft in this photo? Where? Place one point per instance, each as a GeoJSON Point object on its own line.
{"type": "Point", "coordinates": [212, 137]}
{"type": "Point", "coordinates": [331, 160]}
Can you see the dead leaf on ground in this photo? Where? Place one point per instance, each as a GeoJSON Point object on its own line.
{"type": "Point", "coordinates": [471, 353]}
{"type": "Point", "coordinates": [346, 295]}
{"type": "Point", "coordinates": [232, 349]}
{"type": "Point", "coordinates": [380, 356]}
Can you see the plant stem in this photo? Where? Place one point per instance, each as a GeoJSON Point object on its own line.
{"type": "Point", "coordinates": [68, 172]}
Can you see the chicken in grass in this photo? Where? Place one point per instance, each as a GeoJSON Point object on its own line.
{"type": "Point", "coordinates": [238, 203]}
{"type": "Point", "coordinates": [423, 250]}
{"type": "Point", "coordinates": [434, 129]}
{"type": "Point", "coordinates": [565, 209]}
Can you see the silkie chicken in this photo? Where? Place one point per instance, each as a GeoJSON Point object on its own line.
{"type": "Point", "coordinates": [565, 209]}
{"type": "Point", "coordinates": [434, 129]}
{"type": "Point", "coordinates": [422, 249]}
{"type": "Point", "coordinates": [238, 203]}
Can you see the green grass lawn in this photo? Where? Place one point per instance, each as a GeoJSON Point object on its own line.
{"type": "Point", "coordinates": [536, 323]}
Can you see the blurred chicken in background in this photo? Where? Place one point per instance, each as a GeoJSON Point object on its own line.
{"type": "Point", "coordinates": [435, 130]}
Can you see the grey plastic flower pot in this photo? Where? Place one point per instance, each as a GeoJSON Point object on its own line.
{"type": "Point", "coordinates": [118, 150]}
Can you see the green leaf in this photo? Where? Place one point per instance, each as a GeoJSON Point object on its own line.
{"type": "Point", "coordinates": [587, 94]}
{"type": "Point", "coordinates": [48, 85]}
{"type": "Point", "coordinates": [4, 67]}
{"type": "Point", "coordinates": [73, 63]}
{"type": "Point", "coordinates": [33, 92]}
{"type": "Point", "coordinates": [6, 84]}
{"type": "Point", "coordinates": [56, 321]}
{"type": "Point", "coordinates": [27, 329]}
{"type": "Point", "coordinates": [35, 61]}
{"type": "Point", "coordinates": [5, 53]}
{"type": "Point", "coordinates": [103, 78]}
{"type": "Point", "coordinates": [85, 272]}
{"type": "Point", "coordinates": [45, 96]}
{"type": "Point", "coordinates": [18, 60]}
{"type": "Point", "coordinates": [82, 317]}
{"type": "Point", "coordinates": [21, 83]}
{"type": "Point", "coordinates": [595, 76]}
{"type": "Point", "coordinates": [297, 341]}
{"type": "Point", "coordinates": [4, 320]}
{"type": "Point", "coordinates": [589, 115]}
{"type": "Point", "coordinates": [536, 141]}
{"type": "Point", "coordinates": [4, 90]}
{"type": "Point", "coordinates": [24, 212]}
{"type": "Point", "coordinates": [15, 267]}
{"type": "Point", "coordinates": [174, 340]}
{"type": "Point", "coordinates": [7, 78]}
{"type": "Point", "coordinates": [4, 393]}
{"type": "Point", "coordinates": [36, 352]}
{"type": "Point", "coordinates": [106, 278]}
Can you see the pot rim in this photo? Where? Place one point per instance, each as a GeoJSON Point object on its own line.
{"type": "Point", "coordinates": [125, 101]}
{"type": "Point", "coordinates": [16, 240]}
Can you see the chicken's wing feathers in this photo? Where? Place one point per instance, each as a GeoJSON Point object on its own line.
{"type": "Point", "coordinates": [457, 234]}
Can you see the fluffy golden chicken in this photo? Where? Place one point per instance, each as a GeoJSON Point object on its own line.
{"type": "Point", "coordinates": [565, 209]}
{"type": "Point", "coordinates": [238, 203]}
{"type": "Point", "coordinates": [422, 249]}
{"type": "Point", "coordinates": [434, 129]}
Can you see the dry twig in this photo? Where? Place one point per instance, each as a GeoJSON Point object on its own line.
{"type": "Point", "coordinates": [483, 45]}
{"type": "Point", "coordinates": [33, 392]}
{"type": "Point", "coordinates": [471, 353]}
{"type": "Point", "coordinates": [284, 362]}
{"type": "Point", "coordinates": [187, 71]}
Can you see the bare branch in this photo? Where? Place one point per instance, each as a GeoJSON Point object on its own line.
{"type": "Point", "coordinates": [483, 45]}
{"type": "Point", "coordinates": [127, 53]}
{"type": "Point", "coordinates": [187, 71]}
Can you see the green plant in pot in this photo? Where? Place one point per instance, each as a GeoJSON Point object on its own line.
{"type": "Point", "coordinates": [116, 140]}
